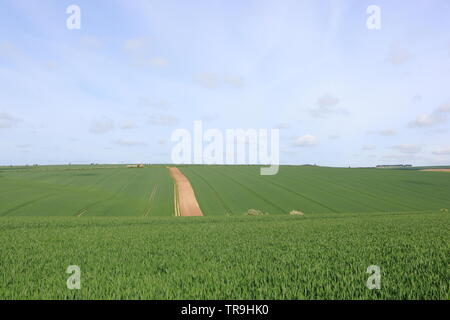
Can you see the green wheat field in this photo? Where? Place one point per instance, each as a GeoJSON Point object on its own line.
{"type": "Point", "coordinates": [117, 225]}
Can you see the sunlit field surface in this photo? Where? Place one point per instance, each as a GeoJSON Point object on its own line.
{"type": "Point", "coordinates": [120, 191]}
{"type": "Point", "coordinates": [117, 225]}
{"type": "Point", "coordinates": [317, 256]}
{"type": "Point", "coordinates": [86, 191]}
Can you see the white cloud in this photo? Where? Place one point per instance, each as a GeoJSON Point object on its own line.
{"type": "Point", "coordinates": [210, 117]}
{"type": "Point", "coordinates": [438, 116]}
{"type": "Point", "coordinates": [51, 66]}
{"type": "Point", "coordinates": [153, 103]}
{"type": "Point", "coordinates": [132, 45]}
{"type": "Point", "coordinates": [91, 42]}
{"type": "Point", "coordinates": [9, 50]}
{"type": "Point", "coordinates": [212, 80]}
{"type": "Point", "coordinates": [408, 148]}
{"type": "Point", "coordinates": [234, 81]}
{"type": "Point", "coordinates": [327, 105]}
{"type": "Point", "coordinates": [440, 152]}
{"type": "Point", "coordinates": [163, 120]}
{"type": "Point", "coordinates": [207, 79]}
{"type": "Point", "coordinates": [159, 62]}
{"type": "Point", "coordinates": [283, 125]}
{"type": "Point", "coordinates": [128, 125]}
{"type": "Point", "coordinates": [102, 126]}
{"type": "Point", "coordinates": [334, 136]}
{"type": "Point", "coordinates": [398, 55]}
{"type": "Point", "coordinates": [327, 100]}
{"type": "Point", "coordinates": [417, 98]}
{"type": "Point", "coordinates": [129, 143]}
{"type": "Point", "coordinates": [306, 141]}
{"type": "Point", "coordinates": [385, 132]}
{"type": "Point", "coordinates": [138, 50]}
{"type": "Point", "coordinates": [398, 158]}
{"type": "Point", "coordinates": [425, 120]}
{"type": "Point", "coordinates": [7, 121]}
{"type": "Point", "coordinates": [23, 146]}
{"type": "Point", "coordinates": [445, 107]}
{"type": "Point", "coordinates": [369, 147]}
{"type": "Point", "coordinates": [140, 61]}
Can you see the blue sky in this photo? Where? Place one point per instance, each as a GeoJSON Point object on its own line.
{"type": "Point", "coordinates": [115, 90]}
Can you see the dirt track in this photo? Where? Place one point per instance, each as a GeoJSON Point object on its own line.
{"type": "Point", "coordinates": [185, 201]}
{"type": "Point", "coordinates": [438, 170]}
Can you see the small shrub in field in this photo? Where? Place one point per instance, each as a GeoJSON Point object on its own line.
{"type": "Point", "coordinates": [296, 213]}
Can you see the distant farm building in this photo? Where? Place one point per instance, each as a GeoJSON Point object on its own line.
{"type": "Point", "coordinates": [135, 166]}
{"type": "Point", "coordinates": [394, 165]}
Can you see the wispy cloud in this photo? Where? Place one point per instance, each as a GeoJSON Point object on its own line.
{"type": "Point", "coordinates": [159, 62]}
{"type": "Point", "coordinates": [51, 66]}
{"type": "Point", "coordinates": [407, 148]}
{"type": "Point", "coordinates": [398, 55]}
{"type": "Point", "coordinates": [326, 105]}
{"type": "Point", "coordinates": [163, 120]}
{"type": "Point", "coordinates": [129, 143]}
{"type": "Point", "coordinates": [213, 80]}
{"type": "Point", "coordinates": [7, 120]}
{"type": "Point", "coordinates": [91, 42]}
{"type": "Point", "coordinates": [398, 158]}
{"type": "Point", "coordinates": [135, 44]}
{"type": "Point", "coordinates": [388, 132]}
{"type": "Point", "coordinates": [102, 126]}
{"type": "Point", "coordinates": [440, 152]}
{"type": "Point", "coordinates": [234, 81]}
{"type": "Point", "coordinates": [139, 52]}
{"type": "Point", "coordinates": [438, 116]}
{"type": "Point", "coordinates": [283, 125]}
{"type": "Point", "coordinates": [207, 79]}
{"type": "Point", "coordinates": [417, 98]}
{"type": "Point", "coordinates": [305, 141]}
{"type": "Point", "coordinates": [153, 103]}
{"type": "Point", "coordinates": [145, 62]}
{"type": "Point", "coordinates": [384, 132]}
{"type": "Point", "coordinates": [128, 125]}
{"type": "Point", "coordinates": [210, 117]}
{"type": "Point", "coordinates": [368, 147]}
{"type": "Point", "coordinates": [8, 50]}
{"type": "Point", "coordinates": [23, 146]}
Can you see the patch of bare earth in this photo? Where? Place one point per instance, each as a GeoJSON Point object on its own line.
{"type": "Point", "coordinates": [186, 203]}
{"type": "Point", "coordinates": [437, 170]}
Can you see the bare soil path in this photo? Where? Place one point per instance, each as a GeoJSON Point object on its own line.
{"type": "Point", "coordinates": [185, 201]}
{"type": "Point", "coordinates": [438, 170]}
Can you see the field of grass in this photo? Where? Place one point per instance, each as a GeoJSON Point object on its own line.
{"type": "Point", "coordinates": [235, 189]}
{"type": "Point", "coordinates": [220, 190]}
{"type": "Point", "coordinates": [116, 224]}
{"type": "Point", "coordinates": [85, 190]}
{"type": "Point", "coordinates": [321, 256]}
